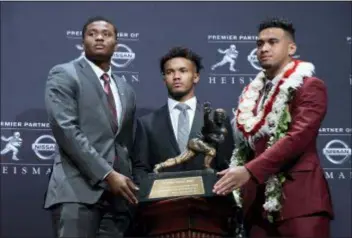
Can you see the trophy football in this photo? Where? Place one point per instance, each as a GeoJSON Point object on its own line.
{"type": "Point", "coordinates": [162, 185]}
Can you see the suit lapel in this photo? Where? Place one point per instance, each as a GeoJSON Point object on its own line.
{"type": "Point", "coordinates": [198, 122]}
{"type": "Point", "coordinates": [258, 104]}
{"type": "Point", "coordinates": [169, 129]}
{"type": "Point", "coordinates": [91, 77]}
{"type": "Point", "coordinates": [122, 95]}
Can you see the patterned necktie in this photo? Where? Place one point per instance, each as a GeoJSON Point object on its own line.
{"type": "Point", "coordinates": [267, 88]}
{"type": "Point", "coordinates": [105, 77]}
{"type": "Point", "coordinates": [183, 126]}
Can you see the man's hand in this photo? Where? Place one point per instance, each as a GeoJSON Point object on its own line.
{"type": "Point", "coordinates": [232, 179]}
{"type": "Point", "coordinates": [122, 185]}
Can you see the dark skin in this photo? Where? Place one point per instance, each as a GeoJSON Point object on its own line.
{"type": "Point", "coordinates": [99, 44]}
{"type": "Point", "coordinates": [180, 77]}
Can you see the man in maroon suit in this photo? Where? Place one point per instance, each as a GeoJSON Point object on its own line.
{"type": "Point", "coordinates": [275, 173]}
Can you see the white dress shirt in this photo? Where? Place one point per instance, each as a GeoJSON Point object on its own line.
{"type": "Point", "coordinates": [174, 112]}
{"type": "Point", "coordinates": [99, 72]}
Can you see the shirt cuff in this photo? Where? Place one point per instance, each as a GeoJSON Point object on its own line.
{"type": "Point", "coordinates": [107, 174]}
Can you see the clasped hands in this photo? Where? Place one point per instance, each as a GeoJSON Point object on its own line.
{"type": "Point", "coordinates": [232, 178]}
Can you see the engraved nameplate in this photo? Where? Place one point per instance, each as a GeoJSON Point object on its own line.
{"type": "Point", "coordinates": [173, 187]}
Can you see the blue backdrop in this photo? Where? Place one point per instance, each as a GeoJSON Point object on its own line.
{"type": "Point", "coordinates": [35, 36]}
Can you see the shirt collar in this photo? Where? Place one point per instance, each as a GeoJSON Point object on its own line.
{"type": "Point", "coordinates": [192, 103]}
{"type": "Point", "coordinates": [98, 71]}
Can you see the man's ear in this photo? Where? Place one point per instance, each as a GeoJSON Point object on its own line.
{"type": "Point", "coordinates": [196, 78]}
{"type": "Point", "coordinates": [292, 48]}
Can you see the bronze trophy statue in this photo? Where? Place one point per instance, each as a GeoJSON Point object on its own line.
{"type": "Point", "coordinates": [212, 134]}
{"type": "Point", "coordinates": [189, 193]}
{"type": "Point", "coordinates": [163, 185]}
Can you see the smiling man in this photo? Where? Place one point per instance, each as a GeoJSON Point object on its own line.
{"type": "Point", "coordinates": [91, 115]}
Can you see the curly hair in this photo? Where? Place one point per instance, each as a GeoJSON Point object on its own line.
{"type": "Point", "coordinates": [182, 52]}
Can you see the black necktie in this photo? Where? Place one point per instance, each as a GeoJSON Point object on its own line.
{"type": "Point", "coordinates": [267, 88]}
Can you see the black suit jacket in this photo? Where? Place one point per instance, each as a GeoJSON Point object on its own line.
{"type": "Point", "coordinates": [155, 142]}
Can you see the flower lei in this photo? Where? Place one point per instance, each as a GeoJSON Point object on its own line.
{"type": "Point", "coordinates": [273, 188]}
{"type": "Point", "coordinates": [274, 120]}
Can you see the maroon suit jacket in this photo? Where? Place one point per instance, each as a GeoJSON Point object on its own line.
{"type": "Point", "coordinates": [305, 190]}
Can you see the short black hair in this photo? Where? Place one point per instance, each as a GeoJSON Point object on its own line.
{"type": "Point", "coordinates": [277, 22]}
{"type": "Point", "coordinates": [94, 19]}
{"type": "Point", "coordinates": [183, 53]}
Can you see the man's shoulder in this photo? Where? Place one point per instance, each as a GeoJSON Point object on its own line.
{"type": "Point", "coordinates": [67, 67]}
{"type": "Point", "coordinates": [154, 115]}
{"type": "Point", "coordinates": [312, 79]}
{"type": "Point", "coordinates": [312, 87]}
{"type": "Point", "coordinates": [309, 82]}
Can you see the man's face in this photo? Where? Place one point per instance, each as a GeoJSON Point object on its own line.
{"type": "Point", "coordinates": [99, 40]}
{"type": "Point", "coordinates": [180, 76]}
{"type": "Point", "coordinates": [274, 48]}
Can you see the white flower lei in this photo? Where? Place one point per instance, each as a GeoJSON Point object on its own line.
{"type": "Point", "coordinates": [273, 120]}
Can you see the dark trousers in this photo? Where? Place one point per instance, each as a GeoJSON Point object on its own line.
{"type": "Point", "coordinates": [108, 218]}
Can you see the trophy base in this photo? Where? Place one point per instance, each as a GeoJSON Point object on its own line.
{"type": "Point", "coordinates": [167, 185]}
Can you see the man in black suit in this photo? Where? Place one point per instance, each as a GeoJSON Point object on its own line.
{"type": "Point", "coordinates": [164, 133]}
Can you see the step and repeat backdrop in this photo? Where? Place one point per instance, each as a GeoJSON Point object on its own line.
{"type": "Point", "coordinates": [36, 36]}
